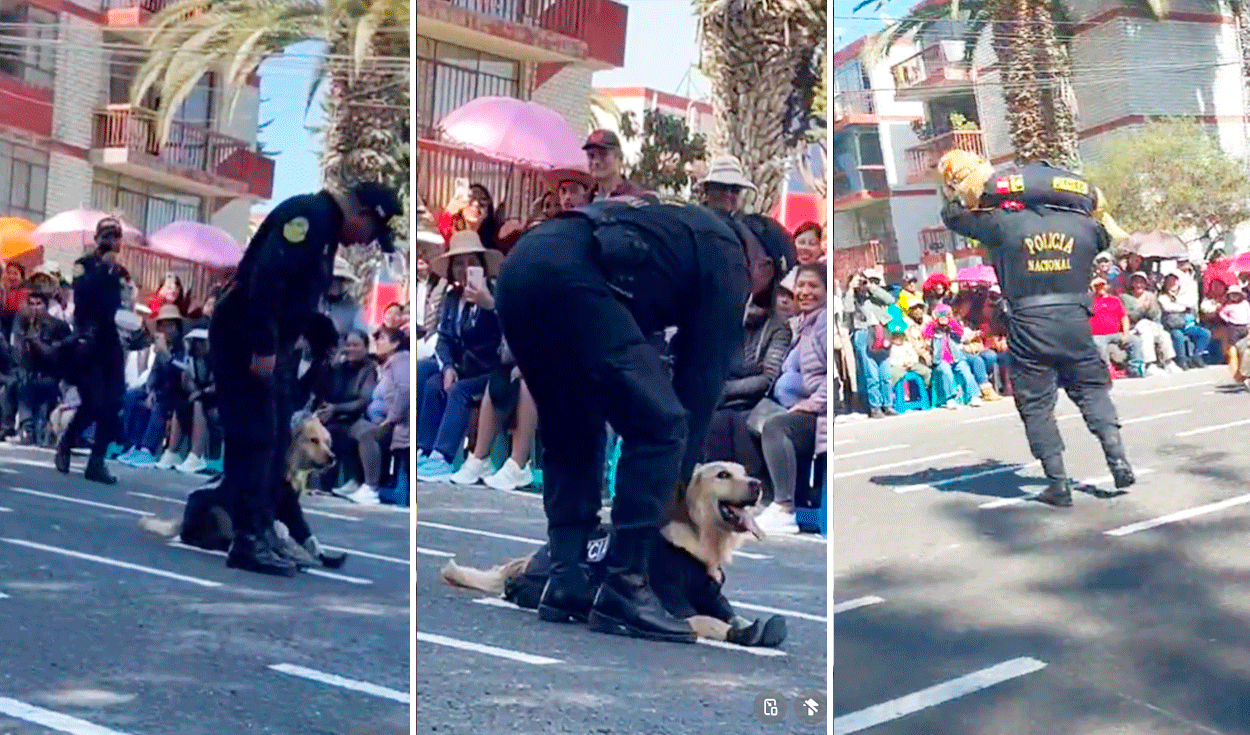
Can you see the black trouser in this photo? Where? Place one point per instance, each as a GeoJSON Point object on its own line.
{"type": "Point", "coordinates": [1055, 342]}
{"type": "Point", "coordinates": [100, 387]}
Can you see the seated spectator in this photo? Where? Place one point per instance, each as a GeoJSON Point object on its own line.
{"type": "Point", "coordinates": [969, 309]}
{"type": "Point", "coordinates": [384, 425]}
{"type": "Point", "coordinates": [200, 408]}
{"type": "Point", "coordinates": [790, 441]}
{"type": "Point", "coordinates": [945, 334]}
{"type": "Point", "coordinates": [38, 337]}
{"type": "Point", "coordinates": [46, 279]}
{"type": "Point", "coordinates": [395, 316]}
{"type": "Point", "coordinates": [910, 294]}
{"type": "Point", "coordinates": [571, 189]}
{"type": "Point", "coordinates": [807, 243]}
{"type": "Point", "coordinates": [342, 403]}
{"type": "Point", "coordinates": [1141, 305]}
{"type": "Point", "coordinates": [1235, 313]}
{"type": "Point", "coordinates": [339, 304]}
{"type": "Point", "coordinates": [1209, 317]}
{"type": "Point", "coordinates": [1189, 338]}
{"type": "Point", "coordinates": [936, 290]}
{"type": "Point", "coordinates": [429, 302]}
{"type": "Point", "coordinates": [164, 393]}
{"type": "Point", "coordinates": [467, 352]}
{"type": "Point", "coordinates": [472, 210]}
{"type": "Point", "coordinates": [904, 357]}
{"type": "Point", "coordinates": [1110, 326]}
{"type": "Point", "coordinates": [170, 292]}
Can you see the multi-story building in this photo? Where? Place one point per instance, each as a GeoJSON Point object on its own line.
{"type": "Point", "coordinates": [540, 50]}
{"type": "Point", "coordinates": [639, 100]}
{"type": "Point", "coordinates": [70, 137]}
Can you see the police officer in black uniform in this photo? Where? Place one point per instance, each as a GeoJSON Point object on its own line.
{"type": "Point", "coordinates": [577, 295]}
{"type": "Point", "coordinates": [97, 362]}
{"type": "Point", "coordinates": [1042, 239]}
{"type": "Point", "coordinates": [277, 288]}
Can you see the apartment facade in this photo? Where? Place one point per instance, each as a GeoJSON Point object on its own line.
{"type": "Point", "coordinates": [540, 50]}
{"type": "Point", "coordinates": [69, 136]}
{"type": "Point", "coordinates": [638, 101]}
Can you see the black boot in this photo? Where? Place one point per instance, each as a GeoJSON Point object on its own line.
{"type": "Point", "coordinates": [97, 472]}
{"type": "Point", "coordinates": [328, 559]}
{"type": "Point", "coordinates": [252, 553]}
{"type": "Point", "coordinates": [625, 603]}
{"type": "Point", "coordinates": [61, 461]}
{"type": "Point", "coordinates": [1122, 473]}
{"type": "Point", "coordinates": [1059, 494]}
{"type": "Point", "coordinates": [568, 593]}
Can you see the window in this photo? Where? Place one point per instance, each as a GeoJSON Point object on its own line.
{"type": "Point", "coordinates": [23, 181]}
{"type": "Point", "coordinates": [31, 56]}
{"type": "Point", "coordinates": [142, 205]}
{"type": "Point", "coordinates": [449, 76]}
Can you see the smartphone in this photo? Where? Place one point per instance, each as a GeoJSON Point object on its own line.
{"type": "Point", "coordinates": [462, 187]}
{"type": "Point", "coordinates": [477, 277]}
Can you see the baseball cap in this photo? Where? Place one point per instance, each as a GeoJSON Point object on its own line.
{"type": "Point", "coordinates": [383, 203]}
{"type": "Point", "coordinates": [602, 139]}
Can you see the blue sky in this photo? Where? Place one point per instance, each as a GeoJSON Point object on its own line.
{"type": "Point", "coordinates": [661, 49]}
{"type": "Point", "coordinates": [848, 26]}
{"type": "Point", "coordinates": [284, 83]}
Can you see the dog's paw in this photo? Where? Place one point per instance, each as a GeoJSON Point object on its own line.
{"type": "Point", "coordinates": [768, 634]}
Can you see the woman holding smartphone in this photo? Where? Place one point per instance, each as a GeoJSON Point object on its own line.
{"type": "Point", "coordinates": [466, 353]}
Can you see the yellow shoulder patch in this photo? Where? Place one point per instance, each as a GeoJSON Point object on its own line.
{"type": "Point", "coordinates": [79, 270]}
{"type": "Point", "coordinates": [296, 230]}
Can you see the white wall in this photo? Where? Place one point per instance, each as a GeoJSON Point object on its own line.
{"type": "Point", "coordinates": [910, 215]}
{"type": "Point", "coordinates": [243, 124]}
{"type": "Point", "coordinates": [568, 93]}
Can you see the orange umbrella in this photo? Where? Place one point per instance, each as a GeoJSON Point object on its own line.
{"type": "Point", "coordinates": [15, 224]}
{"type": "Point", "coordinates": [14, 243]}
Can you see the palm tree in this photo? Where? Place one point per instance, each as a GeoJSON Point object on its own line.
{"type": "Point", "coordinates": [762, 58]}
{"type": "Point", "coordinates": [1030, 40]}
{"type": "Point", "coordinates": [365, 70]}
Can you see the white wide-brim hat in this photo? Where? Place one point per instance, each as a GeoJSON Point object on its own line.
{"type": "Point", "coordinates": [727, 171]}
{"type": "Point", "coordinates": [467, 242]}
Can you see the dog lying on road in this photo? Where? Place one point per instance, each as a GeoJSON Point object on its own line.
{"type": "Point", "coordinates": [710, 521]}
{"type": "Point", "coordinates": [206, 523]}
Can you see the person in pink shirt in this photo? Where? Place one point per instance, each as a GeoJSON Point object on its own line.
{"type": "Point", "coordinates": [1109, 324]}
{"type": "Point", "coordinates": [1236, 314]}
{"type": "Point", "coordinates": [944, 335]}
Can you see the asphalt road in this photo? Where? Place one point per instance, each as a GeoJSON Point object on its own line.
{"type": "Point", "coordinates": [960, 610]}
{"type": "Point", "coordinates": [107, 632]}
{"type": "Point", "coordinates": [483, 669]}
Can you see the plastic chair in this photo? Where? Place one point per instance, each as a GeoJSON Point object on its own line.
{"type": "Point", "coordinates": [814, 518]}
{"type": "Point", "coordinates": [908, 385]}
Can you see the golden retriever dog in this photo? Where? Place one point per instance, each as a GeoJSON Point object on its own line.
{"type": "Point", "coordinates": [711, 519]}
{"type": "Point", "coordinates": [205, 522]}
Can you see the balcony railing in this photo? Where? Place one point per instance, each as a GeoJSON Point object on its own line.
{"type": "Point", "coordinates": [147, 6]}
{"type": "Point", "coordinates": [191, 148]}
{"type": "Point", "coordinates": [148, 267]}
{"type": "Point", "coordinates": [940, 241]}
{"type": "Point", "coordinates": [566, 17]}
{"type": "Point", "coordinates": [922, 160]}
{"type": "Point", "coordinates": [514, 188]}
{"type": "Point", "coordinates": [937, 63]}
{"type": "Point", "coordinates": [851, 104]}
{"type": "Point", "coordinates": [868, 179]}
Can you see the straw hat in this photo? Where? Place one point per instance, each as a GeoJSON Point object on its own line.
{"type": "Point", "coordinates": [467, 242]}
{"type": "Point", "coordinates": [558, 176]}
{"type": "Point", "coordinates": [169, 311]}
{"type": "Point", "coordinates": [726, 171]}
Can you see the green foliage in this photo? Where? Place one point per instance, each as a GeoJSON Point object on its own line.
{"type": "Point", "coordinates": [667, 154]}
{"type": "Point", "coordinates": [1171, 175]}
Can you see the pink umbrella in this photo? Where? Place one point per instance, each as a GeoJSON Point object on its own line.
{"type": "Point", "coordinates": [199, 243]}
{"type": "Point", "coordinates": [76, 229]}
{"type": "Point", "coordinates": [515, 131]}
{"type": "Point", "coordinates": [977, 274]}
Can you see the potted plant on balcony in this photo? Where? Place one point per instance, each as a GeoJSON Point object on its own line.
{"type": "Point", "coordinates": [960, 123]}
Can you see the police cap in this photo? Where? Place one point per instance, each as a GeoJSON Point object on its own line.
{"type": "Point", "coordinates": [383, 205]}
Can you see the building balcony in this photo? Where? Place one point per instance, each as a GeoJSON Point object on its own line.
{"type": "Point", "coordinates": [129, 14]}
{"type": "Point", "coordinates": [848, 259]}
{"type": "Point", "coordinates": [938, 241]}
{"type": "Point", "coordinates": [922, 160]}
{"type": "Point", "coordinates": [853, 108]}
{"type": "Point", "coordinates": [590, 32]}
{"type": "Point", "coordinates": [194, 159]}
{"type": "Point", "coordinates": [868, 184]}
{"type": "Point", "coordinates": [936, 71]}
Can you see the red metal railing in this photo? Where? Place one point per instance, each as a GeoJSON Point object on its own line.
{"type": "Point", "coordinates": [189, 147]}
{"type": "Point", "coordinates": [566, 17]}
{"type": "Point", "coordinates": [923, 159]}
{"type": "Point", "coordinates": [148, 268]}
{"type": "Point", "coordinates": [872, 178]}
{"type": "Point", "coordinates": [939, 62]}
{"type": "Point", "coordinates": [513, 188]}
{"type": "Point", "coordinates": [848, 104]}
{"type": "Point", "coordinates": [148, 6]}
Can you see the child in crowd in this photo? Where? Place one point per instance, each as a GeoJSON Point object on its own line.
{"type": "Point", "coordinates": [944, 334]}
{"type": "Point", "coordinates": [904, 357]}
{"type": "Point", "coordinates": [1236, 314]}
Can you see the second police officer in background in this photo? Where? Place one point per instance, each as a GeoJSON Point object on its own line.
{"type": "Point", "coordinates": [97, 363]}
{"type": "Point", "coordinates": [1040, 230]}
{"type": "Point", "coordinates": [284, 273]}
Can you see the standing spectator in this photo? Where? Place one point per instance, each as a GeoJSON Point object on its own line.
{"type": "Point", "coordinates": [338, 302]}
{"type": "Point", "coordinates": [170, 292]}
{"type": "Point", "coordinates": [14, 294]}
{"type": "Point", "coordinates": [41, 336]}
{"type": "Point", "coordinates": [867, 303]}
{"type": "Point", "coordinates": [472, 209]}
{"type": "Point", "coordinates": [1181, 321]}
{"type": "Point", "coordinates": [910, 294]}
{"type": "Point", "coordinates": [1145, 317]}
{"type": "Point", "coordinates": [604, 159]}
{"type": "Point", "coordinates": [395, 316]}
{"type": "Point", "coordinates": [570, 188]}
{"type": "Point", "coordinates": [1235, 313]}
{"type": "Point", "coordinates": [936, 290]}
{"type": "Point", "coordinates": [429, 303]}
{"type": "Point", "coordinates": [1110, 325]}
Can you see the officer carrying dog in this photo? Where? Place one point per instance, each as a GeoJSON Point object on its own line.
{"type": "Point", "coordinates": [577, 297]}
{"type": "Point", "coordinates": [97, 359]}
{"type": "Point", "coordinates": [1040, 230]}
{"type": "Point", "coordinates": [277, 288]}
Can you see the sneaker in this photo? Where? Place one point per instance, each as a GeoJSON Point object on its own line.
{"type": "Point", "coordinates": [168, 461]}
{"type": "Point", "coordinates": [952, 404]}
{"type": "Point", "coordinates": [436, 469]}
{"type": "Point", "coordinates": [471, 472]}
{"type": "Point", "coordinates": [365, 495]}
{"type": "Point", "coordinates": [1172, 368]}
{"type": "Point", "coordinates": [511, 476]}
{"type": "Point", "coordinates": [141, 459]}
{"type": "Point", "coordinates": [347, 488]}
{"type": "Point", "coordinates": [424, 459]}
{"type": "Point", "coordinates": [192, 464]}
{"type": "Point", "coordinates": [1153, 370]}
{"type": "Point", "coordinates": [776, 520]}
{"type": "Point", "coordinates": [975, 402]}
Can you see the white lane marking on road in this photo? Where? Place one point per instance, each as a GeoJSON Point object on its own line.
{"type": "Point", "coordinates": [51, 720]}
{"type": "Point", "coordinates": [525, 658]}
{"type": "Point", "coordinates": [183, 501]}
{"type": "Point", "coordinates": [6, 510]}
{"type": "Point", "coordinates": [961, 478]}
{"type": "Point", "coordinates": [79, 501]}
{"type": "Point", "coordinates": [917, 460]}
{"type": "Point", "coordinates": [3, 596]}
{"type": "Point", "coordinates": [1165, 389]}
{"type": "Point", "coordinates": [1004, 502]}
{"type": "Point", "coordinates": [112, 562]}
{"type": "Point", "coordinates": [751, 555]}
{"type": "Point", "coordinates": [433, 552]}
{"type": "Point", "coordinates": [7, 471]}
{"type": "Point", "coordinates": [1201, 510]}
{"type": "Point", "coordinates": [934, 695]}
{"type": "Point", "coordinates": [779, 611]}
{"type": "Point", "coordinates": [857, 603]}
{"type": "Point", "coordinates": [334, 680]}
{"type": "Point", "coordinates": [836, 442]}
{"type": "Point", "coordinates": [524, 540]}
{"type": "Point", "coordinates": [368, 554]}
{"type": "Point", "coordinates": [773, 652]}
{"type": "Point", "coordinates": [313, 572]}
{"type": "Point", "coordinates": [1153, 416]}
{"type": "Point", "coordinates": [838, 456]}
{"type": "Point", "coordinates": [1209, 429]}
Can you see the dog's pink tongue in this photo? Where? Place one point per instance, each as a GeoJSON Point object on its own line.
{"type": "Point", "coordinates": [748, 520]}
